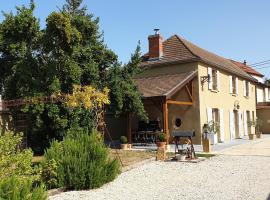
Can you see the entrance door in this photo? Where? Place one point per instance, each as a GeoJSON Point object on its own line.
{"type": "Point", "coordinates": [248, 120]}
{"type": "Point", "coordinates": [236, 123]}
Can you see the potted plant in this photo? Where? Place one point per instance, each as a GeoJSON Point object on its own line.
{"type": "Point", "coordinates": [161, 140]}
{"type": "Point", "coordinates": [205, 141]}
{"type": "Point", "coordinates": [250, 124]}
{"type": "Point", "coordinates": [212, 130]}
{"type": "Point", "coordinates": [258, 125]}
{"type": "Point", "coordinates": [123, 141]}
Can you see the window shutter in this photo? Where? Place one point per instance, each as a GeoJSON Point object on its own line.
{"type": "Point", "coordinates": [232, 132]}
{"type": "Point", "coordinates": [240, 124]}
{"type": "Point", "coordinates": [210, 83]}
{"type": "Point", "coordinates": [236, 86]}
{"type": "Point", "coordinates": [218, 80]}
{"type": "Point", "coordinates": [231, 89]}
{"type": "Point", "coordinates": [245, 89]}
{"type": "Point", "coordinates": [221, 121]}
{"type": "Point", "coordinates": [209, 115]}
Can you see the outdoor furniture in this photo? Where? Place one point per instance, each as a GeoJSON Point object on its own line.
{"type": "Point", "coordinates": [147, 132]}
{"type": "Point", "coordinates": [177, 135]}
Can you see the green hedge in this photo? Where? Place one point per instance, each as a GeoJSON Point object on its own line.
{"type": "Point", "coordinates": [82, 160]}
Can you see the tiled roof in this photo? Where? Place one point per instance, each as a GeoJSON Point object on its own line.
{"type": "Point", "coordinates": [163, 85]}
{"type": "Point", "coordinates": [178, 50]}
{"type": "Point", "coordinates": [247, 68]}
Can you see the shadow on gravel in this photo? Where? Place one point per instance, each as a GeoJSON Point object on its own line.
{"type": "Point", "coordinates": [268, 198]}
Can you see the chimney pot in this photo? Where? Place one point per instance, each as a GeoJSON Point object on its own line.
{"type": "Point", "coordinates": [245, 62]}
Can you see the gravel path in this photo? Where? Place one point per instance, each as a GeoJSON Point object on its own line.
{"type": "Point", "coordinates": [221, 177]}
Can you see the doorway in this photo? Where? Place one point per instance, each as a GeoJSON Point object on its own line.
{"type": "Point", "coordinates": [236, 124]}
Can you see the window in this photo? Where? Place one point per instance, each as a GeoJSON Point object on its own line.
{"type": "Point", "coordinates": [247, 88]}
{"type": "Point", "coordinates": [214, 79]}
{"type": "Point", "coordinates": [268, 93]}
{"type": "Point", "coordinates": [215, 115]}
{"type": "Point", "coordinates": [233, 85]}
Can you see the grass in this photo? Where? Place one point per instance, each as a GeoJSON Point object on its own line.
{"type": "Point", "coordinates": [127, 157]}
{"type": "Point", "coordinates": [130, 157]}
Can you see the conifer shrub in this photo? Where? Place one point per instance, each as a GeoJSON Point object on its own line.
{"type": "Point", "coordinates": [18, 188]}
{"type": "Point", "coordinates": [82, 160]}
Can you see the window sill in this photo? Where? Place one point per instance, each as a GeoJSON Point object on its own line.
{"type": "Point", "coordinates": [247, 97]}
{"type": "Point", "coordinates": [233, 94]}
{"type": "Point", "coordinates": [215, 91]}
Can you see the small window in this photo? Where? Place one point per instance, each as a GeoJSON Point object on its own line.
{"type": "Point", "coordinates": [234, 85]}
{"type": "Point", "coordinates": [215, 114]}
{"type": "Point", "coordinates": [268, 93]}
{"type": "Point", "coordinates": [177, 122]}
{"type": "Point", "coordinates": [247, 89]}
{"type": "Point", "coordinates": [214, 79]}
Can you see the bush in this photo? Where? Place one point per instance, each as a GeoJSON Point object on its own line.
{"type": "Point", "coordinates": [14, 160]}
{"type": "Point", "coordinates": [82, 161]}
{"type": "Point", "coordinates": [15, 188]}
{"type": "Point", "coordinates": [161, 137]}
{"type": "Point", "coordinates": [48, 173]}
{"type": "Point", "coordinates": [123, 140]}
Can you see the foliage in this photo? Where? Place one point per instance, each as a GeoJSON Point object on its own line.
{"type": "Point", "coordinates": [14, 160]}
{"type": "Point", "coordinates": [123, 140]}
{"type": "Point", "coordinates": [69, 51]}
{"type": "Point", "coordinates": [82, 160]}
{"type": "Point", "coordinates": [161, 137]}
{"type": "Point", "coordinates": [213, 127]}
{"type": "Point", "coordinates": [48, 173]}
{"type": "Point", "coordinates": [124, 95]}
{"type": "Point", "coordinates": [21, 189]}
{"type": "Point", "coordinates": [256, 124]}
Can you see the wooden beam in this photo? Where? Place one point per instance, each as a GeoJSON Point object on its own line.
{"type": "Point", "coordinates": [179, 102]}
{"type": "Point", "coordinates": [165, 120]}
{"type": "Point", "coordinates": [129, 127]}
{"type": "Point", "coordinates": [189, 94]}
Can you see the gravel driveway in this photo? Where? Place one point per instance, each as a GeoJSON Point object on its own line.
{"type": "Point", "coordinates": [229, 176]}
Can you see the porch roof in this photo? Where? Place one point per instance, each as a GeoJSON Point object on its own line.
{"type": "Point", "coordinates": [163, 85]}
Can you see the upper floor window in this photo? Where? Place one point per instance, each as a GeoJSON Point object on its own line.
{"type": "Point", "coordinates": [214, 82]}
{"type": "Point", "coordinates": [268, 93]}
{"type": "Point", "coordinates": [215, 79]}
{"type": "Point", "coordinates": [246, 88]}
{"type": "Point", "coordinates": [233, 85]}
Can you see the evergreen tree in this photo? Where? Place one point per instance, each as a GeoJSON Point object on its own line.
{"type": "Point", "coordinates": [70, 50]}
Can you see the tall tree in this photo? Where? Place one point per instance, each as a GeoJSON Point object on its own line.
{"type": "Point", "coordinates": [70, 50]}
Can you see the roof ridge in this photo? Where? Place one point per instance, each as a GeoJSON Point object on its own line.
{"type": "Point", "coordinates": [180, 39]}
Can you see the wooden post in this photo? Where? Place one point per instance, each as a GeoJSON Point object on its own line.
{"type": "Point", "coordinates": [165, 120]}
{"type": "Point", "coordinates": [129, 127]}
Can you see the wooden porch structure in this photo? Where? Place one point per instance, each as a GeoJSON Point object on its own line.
{"type": "Point", "coordinates": [163, 101]}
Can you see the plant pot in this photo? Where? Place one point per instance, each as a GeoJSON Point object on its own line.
{"type": "Point", "coordinates": [259, 135]}
{"type": "Point", "coordinates": [206, 145]}
{"type": "Point", "coordinates": [251, 136]}
{"type": "Point", "coordinates": [161, 144]}
{"type": "Point", "coordinates": [124, 146]}
{"type": "Point", "coordinates": [213, 138]}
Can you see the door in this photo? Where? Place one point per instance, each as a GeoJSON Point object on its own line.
{"type": "Point", "coordinates": [236, 123]}
{"type": "Point", "coordinates": [248, 120]}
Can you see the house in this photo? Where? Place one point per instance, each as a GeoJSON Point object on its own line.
{"type": "Point", "coordinates": [263, 96]}
{"type": "Point", "coordinates": [184, 87]}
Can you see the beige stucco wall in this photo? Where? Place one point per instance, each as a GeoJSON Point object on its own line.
{"type": "Point", "coordinates": [223, 99]}
{"type": "Point", "coordinates": [188, 114]}
{"type": "Point", "coordinates": [264, 115]}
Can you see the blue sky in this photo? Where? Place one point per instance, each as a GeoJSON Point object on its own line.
{"type": "Point", "coordinates": [236, 29]}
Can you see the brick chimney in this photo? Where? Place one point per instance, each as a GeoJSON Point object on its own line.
{"type": "Point", "coordinates": [155, 45]}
